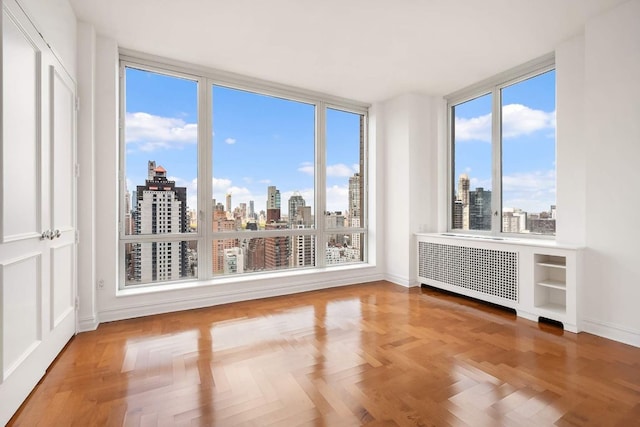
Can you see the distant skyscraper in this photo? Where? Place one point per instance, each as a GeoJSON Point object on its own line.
{"type": "Point", "coordinates": [233, 261]}
{"type": "Point", "coordinates": [303, 250]}
{"type": "Point", "coordinates": [252, 211]}
{"type": "Point", "coordinates": [220, 224]}
{"type": "Point", "coordinates": [161, 208]}
{"type": "Point", "coordinates": [514, 220]}
{"type": "Point", "coordinates": [228, 202]}
{"type": "Point", "coordinates": [355, 196]}
{"type": "Point", "coordinates": [460, 209]}
{"type": "Point", "coordinates": [480, 209]}
{"type": "Point", "coordinates": [277, 250]}
{"type": "Point", "coordinates": [295, 201]}
{"type": "Point", "coordinates": [273, 204]}
{"type": "Point", "coordinates": [355, 207]}
{"type": "Point", "coordinates": [151, 169]}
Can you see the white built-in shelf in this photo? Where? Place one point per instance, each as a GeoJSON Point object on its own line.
{"type": "Point", "coordinates": [555, 284]}
{"type": "Point", "coordinates": [553, 308]}
{"type": "Point", "coordinates": [552, 264]}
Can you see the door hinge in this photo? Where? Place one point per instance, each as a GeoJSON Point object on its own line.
{"type": "Point", "coordinates": [77, 170]}
{"type": "Point", "coordinates": [77, 237]}
{"type": "Point", "coordinates": [77, 303]}
{"type": "Point", "coordinates": [77, 103]}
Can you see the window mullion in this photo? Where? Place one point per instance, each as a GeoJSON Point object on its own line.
{"type": "Point", "coordinates": [496, 151]}
{"type": "Point", "coordinates": [321, 182]}
{"type": "Point", "coordinates": [205, 172]}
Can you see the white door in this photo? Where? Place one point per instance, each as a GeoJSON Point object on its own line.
{"type": "Point", "coordinates": [37, 211]}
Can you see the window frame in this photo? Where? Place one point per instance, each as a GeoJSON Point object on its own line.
{"type": "Point", "coordinates": [206, 79]}
{"type": "Point", "coordinates": [492, 86]}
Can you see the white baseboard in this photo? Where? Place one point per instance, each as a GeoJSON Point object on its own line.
{"type": "Point", "coordinates": [88, 324]}
{"type": "Point", "coordinates": [402, 281]}
{"type": "Point", "coordinates": [244, 294]}
{"type": "Point", "coordinates": [612, 331]}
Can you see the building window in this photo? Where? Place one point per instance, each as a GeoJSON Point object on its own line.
{"type": "Point", "coordinates": [228, 178]}
{"type": "Point", "coordinates": [503, 153]}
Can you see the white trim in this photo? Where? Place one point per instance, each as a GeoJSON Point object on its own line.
{"type": "Point", "coordinates": [87, 324]}
{"type": "Point", "coordinates": [237, 81]}
{"type": "Point", "coordinates": [189, 302]}
{"type": "Point", "coordinates": [612, 331]}
{"type": "Point", "coordinates": [401, 280]}
{"type": "Point", "coordinates": [513, 75]}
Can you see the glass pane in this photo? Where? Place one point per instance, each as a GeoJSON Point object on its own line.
{"type": "Point", "coordinates": [529, 156]}
{"type": "Point", "coordinates": [248, 255]}
{"type": "Point", "coordinates": [345, 185]}
{"type": "Point", "coordinates": [472, 164]}
{"type": "Point", "coordinates": [147, 262]}
{"type": "Point", "coordinates": [263, 161]}
{"type": "Point", "coordinates": [161, 163]}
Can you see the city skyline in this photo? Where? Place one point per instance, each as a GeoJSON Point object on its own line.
{"type": "Point", "coordinates": [258, 141]}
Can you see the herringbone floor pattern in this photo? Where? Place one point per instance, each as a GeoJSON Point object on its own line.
{"type": "Point", "coordinates": [374, 354]}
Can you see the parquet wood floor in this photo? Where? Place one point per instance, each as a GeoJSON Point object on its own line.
{"type": "Point", "coordinates": [374, 354]}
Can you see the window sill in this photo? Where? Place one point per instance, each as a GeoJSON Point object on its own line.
{"type": "Point", "coordinates": [239, 280]}
{"type": "Point", "coordinates": [542, 241]}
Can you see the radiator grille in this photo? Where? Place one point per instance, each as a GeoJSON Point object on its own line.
{"type": "Point", "coordinates": [489, 271]}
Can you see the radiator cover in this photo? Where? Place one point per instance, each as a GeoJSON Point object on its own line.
{"type": "Point", "coordinates": [488, 271]}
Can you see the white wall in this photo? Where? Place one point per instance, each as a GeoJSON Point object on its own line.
{"type": "Point", "coordinates": [56, 21]}
{"type": "Point", "coordinates": [571, 146]}
{"type": "Point", "coordinates": [410, 138]}
{"type": "Point", "coordinates": [87, 314]}
{"type": "Point", "coordinates": [612, 148]}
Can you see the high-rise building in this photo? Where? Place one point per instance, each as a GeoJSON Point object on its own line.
{"type": "Point", "coordinates": [355, 207]}
{"type": "Point", "coordinates": [252, 210]}
{"type": "Point", "coordinates": [233, 261]}
{"type": "Point", "coordinates": [160, 208]}
{"type": "Point", "coordinates": [273, 204]}
{"type": "Point", "coordinates": [228, 200]}
{"type": "Point", "coordinates": [514, 220]}
{"type": "Point", "coordinates": [277, 250]}
{"type": "Point", "coordinates": [151, 169]}
{"type": "Point", "coordinates": [480, 209]}
{"type": "Point", "coordinates": [336, 220]}
{"type": "Point", "coordinates": [221, 223]}
{"type": "Point", "coordinates": [355, 196]}
{"type": "Point", "coordinates": [303, 250]}
{"type": "Point", "coordinates": [295, 201]}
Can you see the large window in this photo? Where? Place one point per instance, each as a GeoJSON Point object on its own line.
{"type": "Point", "coordinates": [223, 178]}
{"type": "Point", "coordinates": [503, 152]}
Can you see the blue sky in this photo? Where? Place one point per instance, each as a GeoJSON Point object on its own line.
{"type": "Point", "coordinates": [257, 141]}
{"type": "Point", "coordinates": [528, 153]}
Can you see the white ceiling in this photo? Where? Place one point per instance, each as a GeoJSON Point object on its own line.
{"type": "Point", "coordinates": [366, 50]}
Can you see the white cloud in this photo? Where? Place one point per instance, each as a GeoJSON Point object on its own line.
{"type": "Point", "coordinates": [342, 170]}
{"type": "Point", "coordinates": [220, 184]}
{"type": "Point", "coordinates": [475, 128]}
{"type": "Point", "coordinates": [517, 120]}
{"type": "Point", "coordinates": [530, 191]}
{"type": "Point", "coordinates": [151, 132]}
{"type": "Point", "coordinates": [230, 141]}
{"type": "Point", "coordinates": [338, 198]}
{"type": "Point", "coordinates": [306, 167]}
{"type": "Point", "coordinates": [264, 181]}
{"type": "Point", "coordinates": [337, 170]}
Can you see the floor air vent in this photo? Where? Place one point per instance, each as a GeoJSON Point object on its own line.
{"type": "Point", "coordinates": [488, 271]}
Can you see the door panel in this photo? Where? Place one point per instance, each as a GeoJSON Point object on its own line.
{"type": "Point", "coordinates": [20, 138]}
{"type": "Point", "coordinates": [62, 295]}
{"type": "Point", "coordinates": [62, 110]}
{"type": "Point", "coordinates": [20, 290]}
